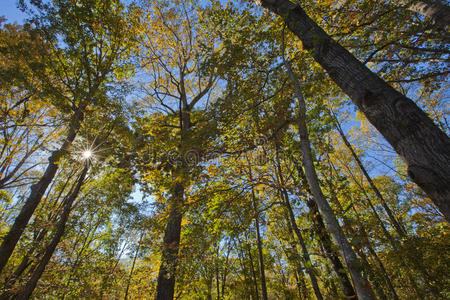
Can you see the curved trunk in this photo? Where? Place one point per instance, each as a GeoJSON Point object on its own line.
{"type": "Point", "coordinates": [422, 145]}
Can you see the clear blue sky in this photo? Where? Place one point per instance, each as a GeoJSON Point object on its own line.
{"type": "Point", "coordinates": [10, 11]}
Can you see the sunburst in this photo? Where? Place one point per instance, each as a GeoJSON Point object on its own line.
{"type": "Point", "coordinates": [85, 151]}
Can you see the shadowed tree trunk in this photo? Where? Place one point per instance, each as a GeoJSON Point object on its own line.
{"type": "Point", "coordinates": [306, 258]}
{"type": "Point", "coordinates": [258, 239]}
{"type": "Point", "coordinates": [332, 255]}
{"type": "Point", "coordinates": [252, 268]}
{"type": "Point", "coordinates": [37, 192]}
{"type": "Point", "coordinates": [32, 282]}
{"type": "Point", "coordinates": [291, 218]}
{"type": "Point", "coordinates": [422, 145]}
{"type": "Point", "coordinates": [167, 270]}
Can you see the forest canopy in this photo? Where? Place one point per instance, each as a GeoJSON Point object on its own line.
{"type": "Point", "coordinates": [271, 149]}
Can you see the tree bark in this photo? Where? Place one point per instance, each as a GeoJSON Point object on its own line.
{"type": "Point", "coordinates": [166, 276]}
{"type": "Point", "coordinates": [362, 286]}
{"type": "Point", "coordinates": [332, 255]}
{"type": "Point", "coordinates": [291, 218]}
{"type": "Point", "coordinates": [32, 282]}
{"type": "Point", "coordinates": [37, 192]}
{"type": "Point", "coordinates": [422, 145]}
{"type": "Point", "coordinates": [435, 10]}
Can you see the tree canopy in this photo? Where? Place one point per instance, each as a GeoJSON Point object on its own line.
{"type": "Point", "coordinates": [273, 149]}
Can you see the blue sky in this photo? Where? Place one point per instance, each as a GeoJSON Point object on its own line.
{"type": "Point", "coordinates": [10, 11]}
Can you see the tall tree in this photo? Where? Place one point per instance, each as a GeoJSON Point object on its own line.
{"type": "Point", "coordinates": [89, 54]}
{"type": "Point", "coordinates": [413, 135]}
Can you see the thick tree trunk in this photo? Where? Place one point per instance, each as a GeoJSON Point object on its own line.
{"type": "Point", "coordinates": [422, 145]}
{"type": "Point", "coordinates": [32, 282]}
{"type": "Point", "coordinates": [330, 252]}
{"type": "Point", "coordinates": [362, 287]}
{"type": "Point", "coordinates": [435, 10]}
{"type": "Point", "coordinates": [37, 192]}
{"type": "Point", "coordinates": [167, 270]}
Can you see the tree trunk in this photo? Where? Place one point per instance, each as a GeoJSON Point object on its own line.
{"type": "Point", "coordinates": [423, 146]}
{"type": "Point", "coordinates": [252, 268]}
{"type": "Point", "coordinates": [306, 257]}
{"type": "Point", "coordinates": [291, 218]}
{"type": "Point", "coordinates": [258, 241]}
{"type": "Point", "coordinates": [362, 287]}
{"type": "Point", "coordinates": [32, 282]}
{"type": "Point", "coordinates": [37, 191]}
{"type": "Point", "coordinates": [435, 10]}
{"type": "Point", "coordinates": [330, 252]}
{"type": "Point", "coordinates": [167, 270]}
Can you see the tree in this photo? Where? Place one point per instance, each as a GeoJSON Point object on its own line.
{"type": "Point", "coordinates": [413, 135]}
{"type": "Point", "coordinates": [92, 53]}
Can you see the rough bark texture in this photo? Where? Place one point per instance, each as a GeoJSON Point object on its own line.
{"type": "Point", "coordinates": [422, 145]}
{"type": "Point", "coordinates": [32, 282]}
{"type": "Point", "coordinates": [37, 192]}
{"type": "Point", "coordinates": [332, 255]}
{"type": "Point", "coordinates": [435, 10]}
{"type": "Point", "coordinates": [167, 270]}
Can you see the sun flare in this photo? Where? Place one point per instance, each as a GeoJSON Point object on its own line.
{"type": "Point", "coordinates": [86, 154]}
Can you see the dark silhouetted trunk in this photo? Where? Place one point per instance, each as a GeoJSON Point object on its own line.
{"type": "Point", "coordinates": [291, 218]}
{"type": "Point", "coordinates": [422, 145]}
{"type": "Point", "coordinates": [37, 192]}
{"type": "Point", "coordinates": [60, 228]}
{"type": "Point", "coordinates": [252, 268]}
{"type": "Point", "coordinates": [306, 258]}
{"type": "Point", "coordinates": [167, 271]}
{"type": "Point", "coordinates": [330, 252]}
{"type": "Point", "coordinates": [258, 240]}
